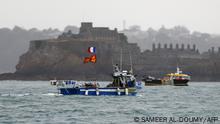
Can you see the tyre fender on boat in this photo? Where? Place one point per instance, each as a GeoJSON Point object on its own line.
{"type": "Point", "coordinates": [126, 91]}
{"type": "Point", "coordinates": [118, 91]}
{"type": "Point", "coordinates": [163, 81]}
{"type": "Point", "coordinates": [97, 91]}
{"type": "Point", "coordinates": [86, 92]}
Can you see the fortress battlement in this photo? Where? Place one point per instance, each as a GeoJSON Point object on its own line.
{"type": "Point", "coordinates": [178, 47]}
{"type": "Point", "coordinates": [89, 33]}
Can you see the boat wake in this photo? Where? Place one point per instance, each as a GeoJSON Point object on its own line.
{"type": "Point", "coordinates": [27, 94]}
{"type": "Point", "coordinates": [15, 95]}
{"type": "Point", "coordinates": [139, 95]}
{"type": "Point", "coordinates": [52, 94]}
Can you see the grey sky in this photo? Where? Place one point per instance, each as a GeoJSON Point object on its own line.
{"type": "Point", "coordinates": [200, 15]}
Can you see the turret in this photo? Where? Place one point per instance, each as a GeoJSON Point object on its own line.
{"type": "Point", "coordinates": [171, 46]}
{"type": "Point", "coordinates": [165, 46]}
{"type": "Point", "coordinates": [188, 47]}
{"type": "Point", "coordinates": [153, 47]}
{"type": "Point", "coordinates": [85, 27]}
{"type": "Point", "coordinates": [213, 50]}
{"type": "Point", "coordinates": [182, 47]}
{"type": "Point", "coordinates": [194, 47]}
{"type": "Point", "coordinates": [159, 46]}
{"type": "Point", "coordinates": [177, 46]}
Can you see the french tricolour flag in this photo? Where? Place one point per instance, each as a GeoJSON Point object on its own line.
{"type": "Point", "coordinates": [91, 49]}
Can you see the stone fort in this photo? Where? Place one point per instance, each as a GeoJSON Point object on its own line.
{"type": "Point", "coordinates": [89, 33]}
{"type": "Point", "coordinates": [63, 57]}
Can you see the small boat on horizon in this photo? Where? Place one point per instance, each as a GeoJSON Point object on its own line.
{"type": "Point", "coordinates": [176, 79]}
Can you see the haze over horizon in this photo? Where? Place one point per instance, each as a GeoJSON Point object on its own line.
{"type": "Point", "coordinates": [196, 15]}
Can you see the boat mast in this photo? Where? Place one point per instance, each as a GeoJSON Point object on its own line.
{"type": "Point", "coordinates": [113, 64]}
{"type": "Point", "coordinates": [178, 70]}
{"type": "Point", "coordinates": [121, 60]}
{"type": "Point", "coordinates": [131, 70]}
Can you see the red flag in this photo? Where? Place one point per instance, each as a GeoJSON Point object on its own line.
{"type": "Point", "coordinates": [86, 59]}
{"type": "Point", "coordinates": [93, 59]}
{"type": "Point", "coordinates": [90, 59]}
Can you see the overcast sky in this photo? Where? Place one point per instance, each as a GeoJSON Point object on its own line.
{"type": "Point", "coordinates": [200, 15]}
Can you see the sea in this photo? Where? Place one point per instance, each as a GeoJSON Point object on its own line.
{"type": "Point", "coordinates": [37, 102]}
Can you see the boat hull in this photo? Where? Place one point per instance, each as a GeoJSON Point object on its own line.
{"type": "Point", "coordinates": [174, 82]}
{"type": "Point", "coordinates": [98, 91]}
{"type": "Point", "coordinates": [180, 82]}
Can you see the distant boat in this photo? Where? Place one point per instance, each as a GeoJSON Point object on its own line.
{"type": "Point", "coordinates": [176, 79]}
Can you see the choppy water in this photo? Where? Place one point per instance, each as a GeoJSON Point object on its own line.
{"type": "Point", "coordinates": [36, 102]}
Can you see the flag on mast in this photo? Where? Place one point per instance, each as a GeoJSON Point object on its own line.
{"type": "Point", "coordinates": [91, 49]}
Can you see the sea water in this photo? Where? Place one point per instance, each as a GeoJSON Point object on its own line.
{"type": "Point", "coordinates": [33, 102]}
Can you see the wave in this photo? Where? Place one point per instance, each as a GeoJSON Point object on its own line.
{"type": "Point", "coordinates": [16, 95]}
{"type": "Point", "coordinates": [52, 94]}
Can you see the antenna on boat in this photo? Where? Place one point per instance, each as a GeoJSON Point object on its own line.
{"type": "Point", "coordinates": [177, 68]}
{"type": "Point", "coordinates": [112, 63]}
{"type": "Point", "coordinates": [178, 71]}
{"type": "Point", "coordinates": [121, 60]}
{"type": "Point", "coordinates": [112, 60]}
{"type": "Point", "coordinates": [131, 70]}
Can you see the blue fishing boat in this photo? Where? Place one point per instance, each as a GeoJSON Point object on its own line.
{"type": "Point", "coordinates": [124, 83]}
